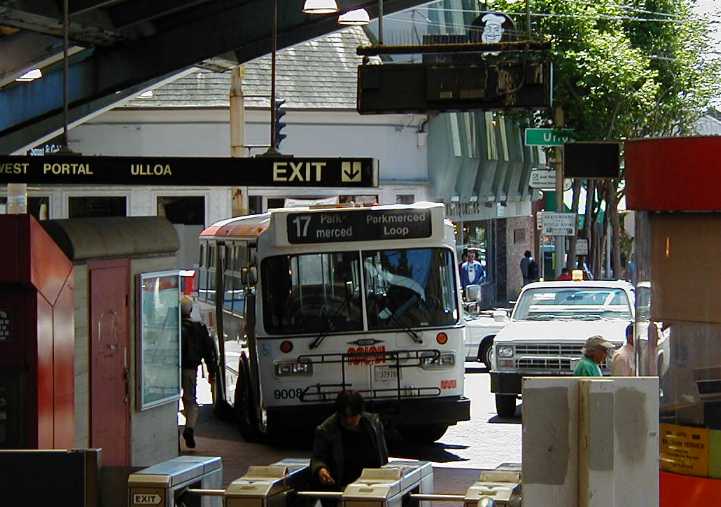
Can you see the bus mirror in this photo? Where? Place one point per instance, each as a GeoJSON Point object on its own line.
{"type": "Point", "coordinates": [252, 276]}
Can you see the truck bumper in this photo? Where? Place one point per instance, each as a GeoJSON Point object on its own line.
{"type": "Point", "coordinates": [447, 410]}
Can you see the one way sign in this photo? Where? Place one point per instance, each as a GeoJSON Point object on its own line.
{"type": "Point", "coordinates": [350, 172]}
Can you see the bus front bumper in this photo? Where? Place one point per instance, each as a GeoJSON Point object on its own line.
{"type": "Point", "coordinates": [447, 410]}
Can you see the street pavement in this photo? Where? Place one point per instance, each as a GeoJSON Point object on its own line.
{"type": "Point", "coordinates": [484, 442]}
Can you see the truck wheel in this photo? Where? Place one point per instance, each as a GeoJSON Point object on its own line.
{"type": "Point", "coordinates": [423, 433]}
{"type": "Point", "coordinates": [506, 405]}
{"type": "Point", "coordinates": [484, 351]}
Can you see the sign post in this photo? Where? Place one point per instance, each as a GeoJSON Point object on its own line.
{"type": "Point", "coordinates": [559, 224]}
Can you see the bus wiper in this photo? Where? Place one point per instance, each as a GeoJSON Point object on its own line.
{"type": "Point", "coordinates": [319, 339]}
{"type": "Point", "coordinates": [395, 317]}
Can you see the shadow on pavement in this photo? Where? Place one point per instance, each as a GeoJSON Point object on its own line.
{"type": "Point", "coordinates": [516, 419]}
{"type": "Point", "coordinates": [475, 368]}
{"type": "Point", "coordinates": [438, 451]}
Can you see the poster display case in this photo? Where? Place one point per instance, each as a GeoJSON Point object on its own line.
{"type": "Point", "coordinates": [158, 338]}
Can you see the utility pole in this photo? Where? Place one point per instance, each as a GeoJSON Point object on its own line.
{"type": "Point", "coordinates": [239, 195]}
{"type": "Point", "coordinates": [272, 152]}
{"type": "Point", "coordinates": [560, 249]}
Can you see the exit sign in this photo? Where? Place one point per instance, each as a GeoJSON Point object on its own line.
{"type": "Point", "coordinates": [548, 137]}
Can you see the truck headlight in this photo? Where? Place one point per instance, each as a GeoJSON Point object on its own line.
{"type": "Point", "coordinates": [429, 360]}
{"type": "Point", "coordinates": [504, 351]}
{"type": "Point", "coordinates": [293, 369]}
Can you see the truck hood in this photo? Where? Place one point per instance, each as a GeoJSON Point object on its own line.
{"type": "Point", "coordinates": [562, 330]}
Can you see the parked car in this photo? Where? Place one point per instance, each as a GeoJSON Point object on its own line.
{"type": "Point", "coordinates": [481, 328]}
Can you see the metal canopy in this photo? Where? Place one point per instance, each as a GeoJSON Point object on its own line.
{"type": "Point", "coordinates": [125, 46]}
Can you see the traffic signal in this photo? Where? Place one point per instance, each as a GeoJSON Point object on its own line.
{"type": "Point", "coordinates": [279, 122]}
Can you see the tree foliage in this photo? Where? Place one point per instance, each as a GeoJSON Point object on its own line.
{"type": "Point", "coordinates": [625, 68]}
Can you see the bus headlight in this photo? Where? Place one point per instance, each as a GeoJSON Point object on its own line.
{"type": "Point", "coordinates": [293, 369]}
{"type": "Point", "coordinates": [504, 351]}
{"type": "Point", "coordinates": [430, 361]}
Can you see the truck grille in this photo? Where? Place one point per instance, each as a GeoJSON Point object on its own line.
{"type": "Point", "coordinates": [551, 356]}
{"type": "Point", "coordinates": [543, 363]}
{"type": "Point", "coordinates": [549, 349]}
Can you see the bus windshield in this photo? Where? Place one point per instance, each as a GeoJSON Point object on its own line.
{"type": "Point", "coordinates": [409, 288]}
{"type": "Point", "coordinates": [321, 292]}
{"type": "Point", "coordinates": [312, 293]}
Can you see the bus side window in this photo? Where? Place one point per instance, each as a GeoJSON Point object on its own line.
{"type": "Point", "coordinates": [203, 272]}
{"type": "Point", "coordinates": [241, 261]}
{"type": "Point", "coordinates": [234, 289]}
{"type": "Point", "coordinates": [211, 272]}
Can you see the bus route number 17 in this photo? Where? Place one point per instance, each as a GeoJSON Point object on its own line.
{"type": "Point", "coordinates": [301, 226]}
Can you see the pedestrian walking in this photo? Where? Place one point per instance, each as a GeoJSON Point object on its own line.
{"type": "Point", "coordinates": [196, 345]}
{"type": "Point", "coordinates": [623, 360]}
{"type": "Point", "coordinates": [595, 352]}
{"type": "Point", "coordinates": [345, 443]}
{"type": "Point", "coordinates": [529, 268]}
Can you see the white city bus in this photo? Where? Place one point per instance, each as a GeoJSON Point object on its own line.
{"type": "Point", "coordinates": [312, 301]}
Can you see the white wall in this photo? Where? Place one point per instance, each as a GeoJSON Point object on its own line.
{"type": "Point", "coordinates": [391, 139]}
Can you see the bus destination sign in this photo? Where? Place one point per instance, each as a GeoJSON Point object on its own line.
{"type": "Point", "coordinates": [189, 171]}
{"type": "Point", "coordinates": [358, 225]}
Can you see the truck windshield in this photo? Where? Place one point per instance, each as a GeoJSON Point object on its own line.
{"type": "Point", "coordinates": [409, 288]}
{"type": "Point", "coordinates": [312, 293]}
{"type": "Point", "coordinates": [578, 303]}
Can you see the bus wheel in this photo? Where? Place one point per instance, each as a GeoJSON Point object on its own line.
{"type": "Point", "coordinates": [244, 404]}
{"type": "Point", "coordinates": [423, 433]}
{"type": "Point", "coordinates": [506, 405]}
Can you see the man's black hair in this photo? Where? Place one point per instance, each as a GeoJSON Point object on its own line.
{"type": "Point", "coordinates": [527, 253]}
{"type": "Point", "coordinates": [564, 270]}
{"type": "Point", "coordinates": [349, 403]}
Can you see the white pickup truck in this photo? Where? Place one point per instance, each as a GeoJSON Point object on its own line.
{"type": "Point", "coordinates": [547, 330]}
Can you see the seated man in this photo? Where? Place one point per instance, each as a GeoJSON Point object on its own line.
{"type": "Point", "coordinates": [346, 443]}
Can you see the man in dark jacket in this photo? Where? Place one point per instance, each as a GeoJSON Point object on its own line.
{"type": "Point", "coordinates": [346, 443]}
{"type": "Point", "coordinates": [196, 344]}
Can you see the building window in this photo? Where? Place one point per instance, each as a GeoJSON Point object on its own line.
{"type": "Point", "coordinates": [255, 204]}
{"type": "Point", "coordinates": [91, 207]}
{"type": "Point", "coordinates": [405, 198]}
{"type": "Point", "coordinates": [274, 203]}
{"type": "Point", "coordinates": [519, 236]}
{"type": "Point", "coordinates": [365, 200]}
{"type": "Point", "coordinates": [38, 207]}
{"type": "Point", "coordinates": [187, 210]}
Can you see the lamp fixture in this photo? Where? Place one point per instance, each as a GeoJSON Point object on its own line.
{"type": "Point", "coordinates": [31, 75]}
{"type": "Point", "coordinates": [356, 17]}
{"type": "Point", "coordinates": [320, 7]}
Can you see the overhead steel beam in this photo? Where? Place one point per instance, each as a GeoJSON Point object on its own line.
{"type": "Point", "coordinates": [24, 51]}
{"type": "Point", "coordinates": [207, 31]}
{"type": "Point", "coordinates": [47, 128]}
{"type": "Point", "coordinates": [78, 7]}
{"type": "Point", "coordinates": [129, 14]}
{"type": "Point", "coordinates": [49, 25]}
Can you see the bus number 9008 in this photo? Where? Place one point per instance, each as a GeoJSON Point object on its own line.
{"type": "Point", "coordinates": [288, 394]}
